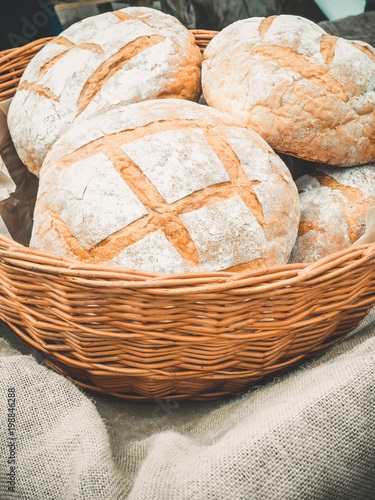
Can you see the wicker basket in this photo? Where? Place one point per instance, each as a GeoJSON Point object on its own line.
{"type": "Point", "coordinates": [140, 335]}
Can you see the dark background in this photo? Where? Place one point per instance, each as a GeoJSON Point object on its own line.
{"type": "Point", "coordinates": [22, 21]}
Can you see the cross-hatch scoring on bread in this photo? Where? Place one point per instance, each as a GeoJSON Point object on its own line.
{"type": "Point", "coordinates": [307, 93]}
{"type": "Point", "coordinates": [333, 205]}
{"type": "Point", "coordinates": [99, 64]}
{"type": "Point", "coordinates": [166, 186]}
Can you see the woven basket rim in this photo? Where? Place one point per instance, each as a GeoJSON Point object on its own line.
{"type": "Point", "coordinates": [183, 283]}
{"type": "Point", "coordinates": [24, 49]}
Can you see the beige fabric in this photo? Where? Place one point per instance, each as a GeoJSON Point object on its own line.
{"type": "Point", "coordinates": [307, 434]}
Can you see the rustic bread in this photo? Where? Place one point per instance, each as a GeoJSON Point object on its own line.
{"type": "Point", "coordinates": [333, 205]}
{"type": "Point", "coordinates": [307, 93]}
{"type": "Point", "coordinates": [167, 186]}
{"type": "Point", "coordinates": [100, 63]}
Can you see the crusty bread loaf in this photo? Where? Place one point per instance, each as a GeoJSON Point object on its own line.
{"type": "Point", "coordinates": [308, 94]}
{"type": "Point", "coordinates": [333, 205]}
{"type": "Point", "coordinates": [166, 186]}
{"type": "Point", "coordinates": [98, 64]}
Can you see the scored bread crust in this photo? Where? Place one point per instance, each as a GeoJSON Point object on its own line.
{"type": "Point", "coordinates": [333, 205]}
{"type": "Point", "coordinates": [307, 93]}
{"type": "Point", "coordinates": [166, 186]}
{"type": "Point", "coordinates": [100, 63]}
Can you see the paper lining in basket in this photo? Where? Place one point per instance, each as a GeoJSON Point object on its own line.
{"type": "Point", "coordinates": [18, 187]}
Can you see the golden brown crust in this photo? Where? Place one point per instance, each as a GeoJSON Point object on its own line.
{"type": "Point", "coordinates": [122, 16]}
{"type": "Point", "coordinates": [265, 26]}
{"type": "Point", "coordinates": [39, 89]}
{"type": "Point", "coordinates": [328, 47]}
{"type": "Point", "coordinates": [61, 40]}
{"type": "Point", "coordinates": [309, 94]}
{"type": "Point", "coordinates": [110, 67]}
{"type": "Point", "coordinates": [161, 214]}
{"type": "Point", "coordinates": [333, 208]}
{"type": "Point", "coordinates": [357, 207]}
{"type": "Point", "coordinates": [122, 66]}
{"type": "Point", "coordinates": [167, 218]}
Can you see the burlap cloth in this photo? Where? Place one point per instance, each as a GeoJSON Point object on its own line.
{"type": "Point", "coordinates": [309, 434]}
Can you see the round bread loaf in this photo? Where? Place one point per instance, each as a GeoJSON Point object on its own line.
{"type": "Point", "coordinates": [308, 94]}
{"type": "Point", "coordinates": [100, 63]}
{"type": "Point", "coordinates": [166, 186]}
{"type": "Point", "coordinates": [333, 205]}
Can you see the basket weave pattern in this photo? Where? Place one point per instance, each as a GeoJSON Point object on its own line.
{"type": "Point", "coordinates": [142, 335]}
{"type": "Point", "coordinates": [13, 63]}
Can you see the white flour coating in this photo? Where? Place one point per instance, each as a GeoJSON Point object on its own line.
{"type": "Point", "coordinates": [177, 169]}
{"type": "Point", "coordinates": [153, 252]}
{"type": "Point", "coordinates": [266, 78]}
{"type": "Point", "coordinates": [46, 130]}
{"type": "Point", "coordinates": [351, 67]}
{"type": "Point", "coordinates": [329, 213]}
{"type": "Point", "coordinates": [134, 81]}
{"type": "Point", "coordinates": [261, 164]}
{"type": "Point", "coordinates": [95, 205]}
{"type": "Point", "coordinates": [135, 116]}
{"type": "Point", "coordinates": [306, 93]}
{"type": "Point", "coordinates": [208, 221]}
{"type": "Point", "coordinates": [299, 34]}
{"type": "Point", "coordinates": [364, 68]}
{"type": "Point", "coordinates": [45, 236]}
{"type": "Point", "coordinates": [255, 155]}
{"type": "Point", "coordinates": [245, 33]}
{"type": "Point", "coordinates": [226, 234]}
{"type": "Point", "coordinates": [69, 74]}
{"type": "Point", "coordinates": [49, 51]}
{"type": "Point", "coordinates": [361, 177]}
{"type": "Point", "coordinates": [321, 207]}
{"type": "Point", "coordinates": [314, 241]}
{"type": "Point", "coordinates": [88, 28]}
{"type": "Point", "coordinates": [147, 16]}
{"type": "Point", "coordinates": [36, 124]}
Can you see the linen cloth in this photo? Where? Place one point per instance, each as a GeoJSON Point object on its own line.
{"type": "Point", "coordinates": [308, 434]}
